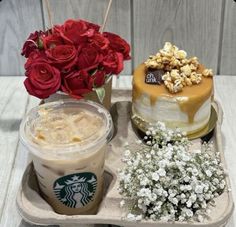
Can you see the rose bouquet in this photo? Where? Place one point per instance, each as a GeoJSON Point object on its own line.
{"type": "Point", "coordinates": [74, 58]}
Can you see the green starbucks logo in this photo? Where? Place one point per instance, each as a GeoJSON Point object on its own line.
{"type": "Point", "coordinates": [76, 190]}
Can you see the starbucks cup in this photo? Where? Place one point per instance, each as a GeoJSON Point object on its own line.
{"type": "Point", "coordinates": [68, 141]}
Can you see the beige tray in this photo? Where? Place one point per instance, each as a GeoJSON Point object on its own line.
{"type": "Point", "coordinates": [35, 210]}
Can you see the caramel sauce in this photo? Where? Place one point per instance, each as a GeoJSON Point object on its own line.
{"type": "Point", "coordinates": [190, 99]}
{"type": "Point", "coordinates": [76, 139]}
{"type": "Point", "coordinates": [40, 136]}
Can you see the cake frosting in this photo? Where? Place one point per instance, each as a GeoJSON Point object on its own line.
{"type": "Point", "coordinates": [185, 103]}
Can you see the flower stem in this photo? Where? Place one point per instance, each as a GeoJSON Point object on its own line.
{"type": "Point", "coordinates": [49, 13]}
{"type": "Point", "coordinates": [106, 16]}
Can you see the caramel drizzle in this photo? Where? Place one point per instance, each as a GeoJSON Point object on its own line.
{"type": "Point", "coordinates": [194, 96]}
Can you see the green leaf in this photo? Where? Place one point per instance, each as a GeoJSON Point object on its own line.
{"type": "Point", "coordinates": [40, 43]}
{"type": "Point", "coordinates": [100, 93]}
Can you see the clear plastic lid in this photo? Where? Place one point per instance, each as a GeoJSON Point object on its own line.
{"type": "Point", "coordinates": [66, 128]}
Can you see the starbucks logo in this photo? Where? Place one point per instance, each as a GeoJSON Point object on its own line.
{"type": "Point", "coordinates": [76, 190]}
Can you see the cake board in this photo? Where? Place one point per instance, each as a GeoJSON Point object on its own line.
{"type": "Point", "coordinates": [35, 210]}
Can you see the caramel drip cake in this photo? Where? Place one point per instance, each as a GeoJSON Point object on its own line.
{"type": "Point", "coordinates": [174, 89]}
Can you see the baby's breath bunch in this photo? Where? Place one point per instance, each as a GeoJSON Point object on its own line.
{"type": "Point", "coordinates": [159, 135]}
{"type": "Point", "coordinates": [165, 181]}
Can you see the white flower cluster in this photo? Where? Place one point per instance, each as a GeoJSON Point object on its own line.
{"type": "Point", "coordinates": [165, 181]}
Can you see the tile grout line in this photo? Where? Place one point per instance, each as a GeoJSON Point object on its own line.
{"type": "Point", "coordinates": [132, 33]}
{"type": "Point", "coordinates": [221, 36]}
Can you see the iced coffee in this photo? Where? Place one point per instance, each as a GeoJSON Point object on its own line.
{"type": "Point", "coordinates": [68, 141]}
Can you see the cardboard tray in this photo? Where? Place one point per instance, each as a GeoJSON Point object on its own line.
{"type": "Point", "coordinates": [35, 210]}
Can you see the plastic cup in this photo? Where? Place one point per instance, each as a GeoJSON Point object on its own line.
{"type": "Point", "coordinates": [69, 169]}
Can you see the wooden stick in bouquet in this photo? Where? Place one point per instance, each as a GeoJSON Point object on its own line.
{"type": "Point", "coordinates": [106, 16]}
{"type": "Point", "coordinates": [49, 13]}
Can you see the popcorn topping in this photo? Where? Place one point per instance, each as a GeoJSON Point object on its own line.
{"type": "Point", "coordinates": [180, 71]}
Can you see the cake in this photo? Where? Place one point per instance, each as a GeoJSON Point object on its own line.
{"type": "Point", "coordinates": [174, 89]}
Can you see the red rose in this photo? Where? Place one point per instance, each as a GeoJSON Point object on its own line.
{"type": "Point", "coordinates": [35, 56]}
{"type": "Point", "coordinates": [89, 58]}
{"type": "Point", "coordinates": [98, 78]}
{"type": "Point", "coordinates": [74, 32]}
{"type": "Point", "coordinates": [99, 41]}
{"type": "Point", "coordinates": [118, 44]}
{"type": "Point", "coordinates": [113, 62]}
{"type": "Point", "coordinates": [42, 80]}
{"type": "Point", "coordinates": [63, 56]}
{"type": "Point", "coordinates": [31, 43]}
{"type": "Point", "coordinates": [91, 25]}
{"type": "Point", "coordinates": [77, 83]}
{"type": "Point", "coordinates": [51, 41]}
